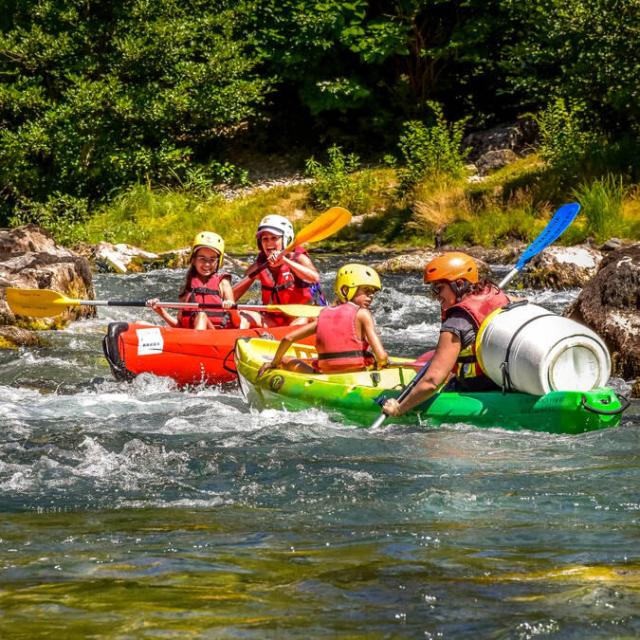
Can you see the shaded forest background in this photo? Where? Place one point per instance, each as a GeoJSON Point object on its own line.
{"type": "Point", "coordinates": [97, 99]}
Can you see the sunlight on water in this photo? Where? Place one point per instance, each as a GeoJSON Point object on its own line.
{"type": "Point", "coordinates": [135, 510]}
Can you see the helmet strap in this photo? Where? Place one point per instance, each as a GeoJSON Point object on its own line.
{"type": "Point", "coordinates": [344, 290]}
{"type": "Point", "coordinates": [460, 288]}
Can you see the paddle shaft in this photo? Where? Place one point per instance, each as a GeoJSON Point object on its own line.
{"type": "Point", "coordinates": [278, 308]}
{"type": "Point", "coordinates": [405, 392]}
{"type": "Point", "coordinates": [554, 229]}
{"type": "Point", "coordinates": [140, 303]}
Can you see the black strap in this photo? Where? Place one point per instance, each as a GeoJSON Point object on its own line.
{"type": "Point", "coordinates": [205, 290]}
{"type": "Point", "coordinates": [345, 354]}
{"type": "Point", "coordinates": [225, 315]}
{"type": "Point", "coordinates": [504, 366]}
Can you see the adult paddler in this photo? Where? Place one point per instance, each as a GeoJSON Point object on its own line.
{"type": "Point", "coordinates": [285, 277]}
{"type": "Point", "coordinates": [465, 301]}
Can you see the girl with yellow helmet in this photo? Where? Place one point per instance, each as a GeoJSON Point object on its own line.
{"type": "Point", "coordinates": [346, 335]}
{"type": "Point", "coordinates": [465, 301]}
{"type": "Point", "coordinates": [285, 277]}
{"type": "Point", "coordinates": [204, 284]}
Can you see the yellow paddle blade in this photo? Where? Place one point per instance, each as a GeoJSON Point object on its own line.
{"type": "Point", "coordinates": [299, 310]}
{"type": "Point", "coordinates": [325, 225]}
{"type": "Point", "coordinates": [37, 303]}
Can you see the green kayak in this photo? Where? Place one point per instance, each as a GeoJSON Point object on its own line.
{"type": "Point", "coordinates": [351, 397]}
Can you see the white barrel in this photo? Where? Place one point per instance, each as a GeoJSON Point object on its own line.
{"type": "Point", "coordinates": [541, 351]}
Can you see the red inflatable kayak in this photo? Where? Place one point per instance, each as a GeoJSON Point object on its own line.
{"type": "Point", "coordinates": [185, 355]}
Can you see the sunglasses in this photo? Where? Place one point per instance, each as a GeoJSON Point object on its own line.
{"type": "Point", "coordinates": [436, 289]}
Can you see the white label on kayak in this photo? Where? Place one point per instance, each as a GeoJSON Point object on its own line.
{"type": "Point", "coordinates": [150, 341]}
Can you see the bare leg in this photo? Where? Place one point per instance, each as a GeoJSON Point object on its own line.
{"type": "Point", "coordinates": [300, 366]}
{"type": "Point", "coordinates": [202, 322]}
{"type": "Point", "coordinates": [248, 320]}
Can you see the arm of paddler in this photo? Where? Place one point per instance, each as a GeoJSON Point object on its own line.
{"type": "Point", "coordinates": [441, 365]}
{"type": "Point", "coordinates": [303, 268]}
{"type": "Point", "coordinates": [228, 300]}
{"type": "Point", "coordinates": [303, 332]}
{"type": "Point", "coordinates": [162, 312]}
{"type": "Point", "coordinates": [240, 288]}
{"type": "Point", "coordinates": [369, 332]}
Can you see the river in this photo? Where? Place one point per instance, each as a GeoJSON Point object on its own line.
{"type": "Point", "coordinates": [142, 511]}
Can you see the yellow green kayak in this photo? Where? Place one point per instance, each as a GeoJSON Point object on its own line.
{"type": "Point", "coordinates": [353, 397]}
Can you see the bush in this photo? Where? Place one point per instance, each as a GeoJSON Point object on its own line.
{"type": "Point", "coordinates": [564, 136]}
{"type": "Point", "coordinates": [340, 183]}
{"type": "Point", "coordinates": [601, 202]}
{"type": "Point", "coordinates": [61, 215]}
{"type": "Point", "coordinates": [431, 151]}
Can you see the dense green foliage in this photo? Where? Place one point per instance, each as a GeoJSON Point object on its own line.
{"type": "Point", "coordinates": [96, 97]}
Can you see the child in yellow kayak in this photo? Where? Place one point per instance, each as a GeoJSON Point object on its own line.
{"type": "Point", "coordinates": [285, 278]}
{"type": "Point", "coordinates": [204, 284]}
{"type": "Point", "coordinates": [346, 335]}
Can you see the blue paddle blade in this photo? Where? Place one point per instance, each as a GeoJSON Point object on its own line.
{"type": "Point", "coordinates": [563, 217]}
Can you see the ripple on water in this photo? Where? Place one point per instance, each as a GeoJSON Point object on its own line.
{"type": "Point", "coordinates": [142, 509]}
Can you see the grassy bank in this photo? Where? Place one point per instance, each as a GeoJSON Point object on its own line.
{"type": "Point", "coordinates": [513, 203]}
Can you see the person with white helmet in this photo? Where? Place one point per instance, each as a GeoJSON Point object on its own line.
{"type": "Point", "coordinates": [286, 277]}
{"type": "Point", "coordinates": [346, 335]}
{"type": "Point", "coordinates": [204, 284]}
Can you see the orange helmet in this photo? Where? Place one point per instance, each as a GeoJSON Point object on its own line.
{"type": "Point", "coordinates": [452, 266]}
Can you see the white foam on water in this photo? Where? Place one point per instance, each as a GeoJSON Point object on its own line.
{"type": "Point", "coordinates": [179, 503]}
{"type": "Point", "coordinates": [138, 461]}
{"type": "Point", "coordinates": [425, 333]}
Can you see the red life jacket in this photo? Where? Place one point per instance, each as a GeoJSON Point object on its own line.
{"type": "Point", "coordinates": [477, 306]}
{"type": "Point", "coordinates": [339, 347]}
{"type": "Point", "coordinates": [282, 286]}
{"type": "Point", "coordinates": [205, 293]}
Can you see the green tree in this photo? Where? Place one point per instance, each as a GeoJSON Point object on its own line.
{"type": "Point", "coordinates": [96, 95]}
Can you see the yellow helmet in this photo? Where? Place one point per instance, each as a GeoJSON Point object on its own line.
{"type": "Point", "coordinates": [353, 276]}
{"type": "Point", "coordinates": [211, 241]}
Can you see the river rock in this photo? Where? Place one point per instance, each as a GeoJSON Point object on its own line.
{"type": "Point", "coordinates": [562, 267]}
{"type": "Point", "coordinates": [415, 261]}
{"type": "Point", "coordinates": [494, 159]}
{"type": "Point", "coordinates": [14, 337]}
{"type": "Point", "coordinates": [30, 258]}
{"type": "Point", "coordinates": [518, 137]}
{"type": "Point", "coordinates": [610, 305]}
{"type": "Point", "coordinates": [406, 263]}
{"type": "Point", "coordinates": [121, 258]}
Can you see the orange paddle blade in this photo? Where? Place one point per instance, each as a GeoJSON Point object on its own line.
{"type": "Point", "coordinates": [325, 225]}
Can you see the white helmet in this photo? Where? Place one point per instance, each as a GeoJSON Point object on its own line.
{"type": "Point", "coordinates": [277, 225]}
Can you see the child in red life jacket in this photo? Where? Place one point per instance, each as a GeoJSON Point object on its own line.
{"type": "Point", "coordinates": [285, 278]}
{"type": "Point", "coordinates": [204, 284]}
{"type": "Point", "coordinates": [346, 335]}
{"type": "Point", "coordinates": [465, 301]}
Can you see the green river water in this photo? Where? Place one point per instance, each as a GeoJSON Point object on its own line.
{"type": "Point", "coordinates": [143, 511]}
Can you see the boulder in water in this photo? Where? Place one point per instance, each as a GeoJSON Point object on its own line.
{"type": "Point", "coordinates": [610, 305]}
{"type": "Point", "coordinates": [562, 267]}
{"type": "Point", "coordinates": [30, 258]}
{"type": "Point", "coordinates": [121, 258]}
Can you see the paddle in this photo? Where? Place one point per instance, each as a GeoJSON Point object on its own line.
{"type": "Point", "coordinates": [562, 218]}
{"type": "Point", "coordinates": [45, 303]}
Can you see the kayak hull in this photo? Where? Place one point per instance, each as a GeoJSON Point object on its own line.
{"type": "Point", "coordinates": [187, 356]}
{"type": "Point", "coordinates": [351, 397]}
